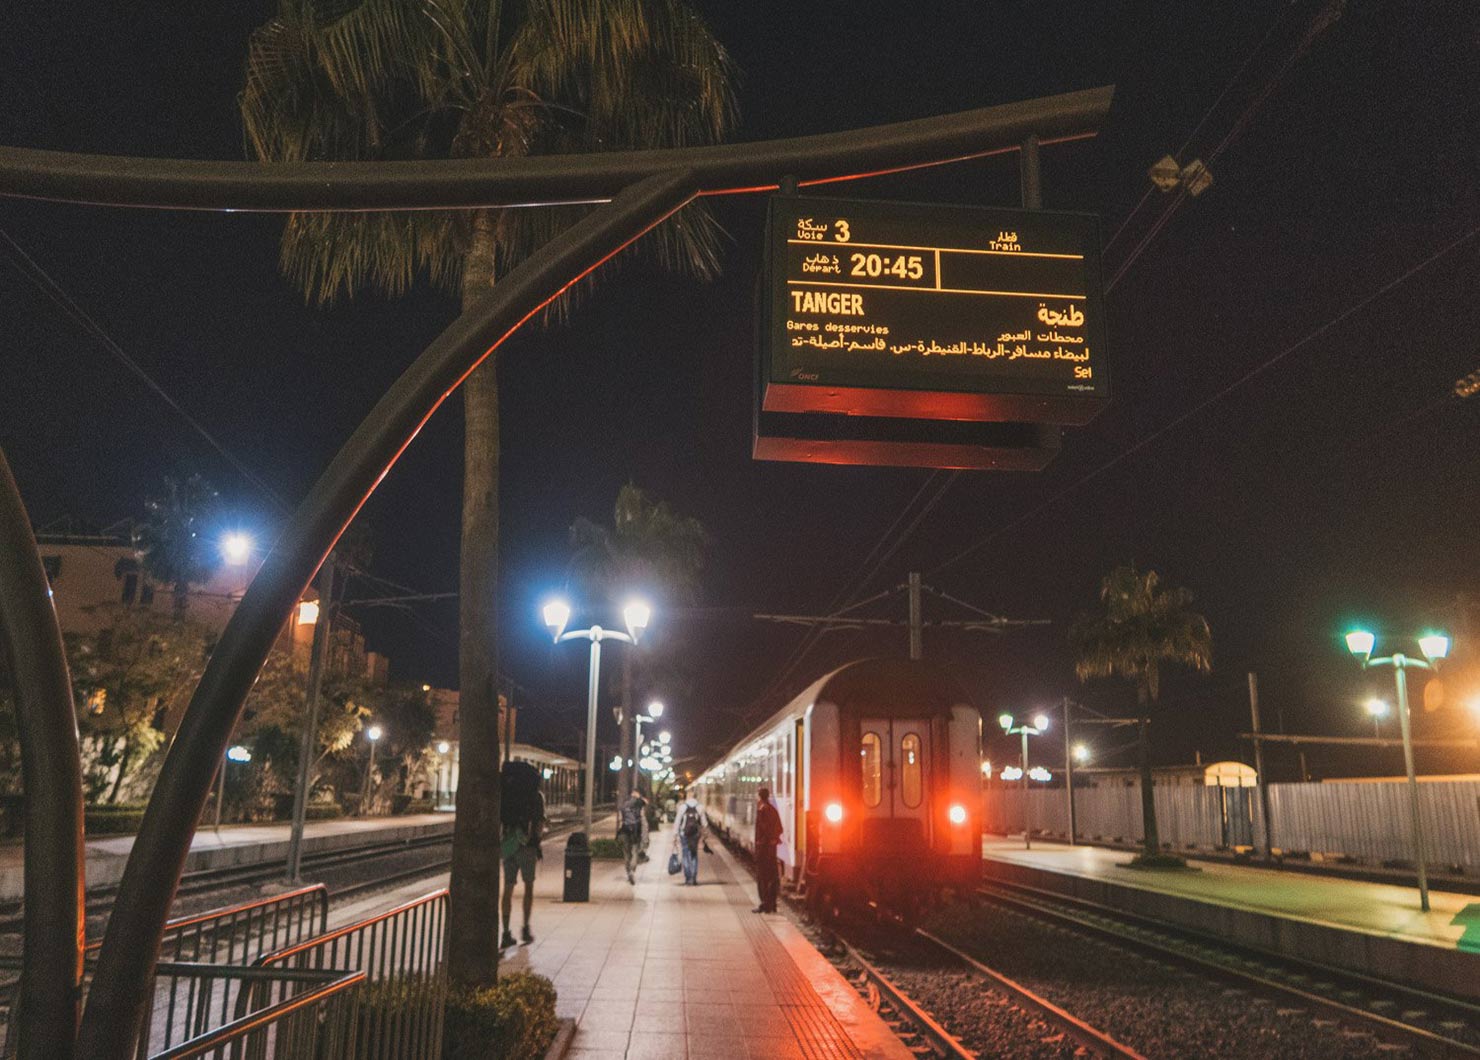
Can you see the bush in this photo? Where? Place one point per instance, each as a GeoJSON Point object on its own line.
{"type": "Point", "coordinates": [407, 1003]}
{"type": "Point", "coordinates": [513, 1020]}
{"type": "Point", "coordinates": [606, 848]}
{"type": "Point", "coordinates": [113, 820]}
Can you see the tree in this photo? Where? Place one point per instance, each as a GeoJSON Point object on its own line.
{"type": "Point", "coordinates": [649, 548]}
{"type": "Point", "coordinates": [173, 538]}
{"type": "Point", "coordinates": [1140, 626]}
{"type": "Point", "coordinates": [126, 679]}
{"type": "Point", "coordinates": [392, 79]}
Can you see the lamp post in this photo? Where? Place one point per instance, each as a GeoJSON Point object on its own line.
{"type": "Point", "coordinates": [373, 734]}
{"type": "Point", "coordinates": [444, 772]}
{"type": "Point", "coordinates": [1435, 646]}
{"type": "Point", "coordinates": [1377, 710]}
{"type": "Point", "coordinates": [556, 614]}
{"type": "Point", "coordinates": [655, 711]}
{"type": "Point", "coordinates": [1039, 725]}
{"type": "Point", "coordinates": [235, 753]}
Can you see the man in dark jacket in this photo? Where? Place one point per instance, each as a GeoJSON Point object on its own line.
{"type": "Point", "coordinates": [767, 838]}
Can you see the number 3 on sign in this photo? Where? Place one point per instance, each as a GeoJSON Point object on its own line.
{"type": "Point", "coordinates": [840, 227]}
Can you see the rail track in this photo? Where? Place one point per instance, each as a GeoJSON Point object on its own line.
{"type": "Point", "coordinates": [1396, 1013]}
{"type": "Point", "coordinates": [960, 983]}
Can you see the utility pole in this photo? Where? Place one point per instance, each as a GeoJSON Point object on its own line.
{"type": "Point", "coordinates": [1259, 776]}
{"type": "Point", "coordinates": [309, 745]}
{"type": "Point", "coordinates": [917, 622]}
{"type": "Point", "coordinates": [1069, 773]}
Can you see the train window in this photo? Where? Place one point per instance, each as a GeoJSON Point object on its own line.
{"type": "Point", "coordinates": [873, 769]}
{"type": "Point", "coordinates": [910, 787]}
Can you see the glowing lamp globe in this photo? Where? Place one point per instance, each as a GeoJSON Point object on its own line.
{"type": "Point", "coordinates": [1434, 646]}
{"type": "Point", "coordinates": [443, 747]}
{"type": "Point", "coordinates": [1040, 722]}
{"type": "Point", "coordinates": [1360, 642]}
{"type": "Point", "coordinates": [556, 614]}
{"type": "Point", "coordinates": [236, 549]}
{"type": "Point", "coordinates": [636, 614]}
{"type": "Point", "coordinates": [655, 709]}
{"type": "Point", "coordinates": [1004, 720]}
{"type": "Point", "coordinates": [374, 733]}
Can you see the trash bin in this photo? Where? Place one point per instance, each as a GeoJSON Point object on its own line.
{"type": "Point", "coordinates": [577, 868]}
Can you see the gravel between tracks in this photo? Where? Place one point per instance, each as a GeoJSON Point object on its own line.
{"type": "Point", "coordinates": [1158, 1009]}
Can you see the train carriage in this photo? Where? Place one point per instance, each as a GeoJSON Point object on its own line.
{"type": "Point", "coordinates": [875, 769]}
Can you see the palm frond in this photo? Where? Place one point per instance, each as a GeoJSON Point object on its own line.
{"type": "Point", "coordinates": [1139, 627]}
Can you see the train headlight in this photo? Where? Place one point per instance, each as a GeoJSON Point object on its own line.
{"type": "Point", "coordinates": [957, 814]}
{"type": "Point", "coordinates": [833, 812]}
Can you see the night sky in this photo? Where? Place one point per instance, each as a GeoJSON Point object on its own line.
{"type": "Point", "coordinates": [1339, 482]}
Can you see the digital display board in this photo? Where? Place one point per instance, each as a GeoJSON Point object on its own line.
{"type": "Point", "coordinates": [932, 312]}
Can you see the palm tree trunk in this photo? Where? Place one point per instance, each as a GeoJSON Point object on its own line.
{"type": "Point", "coordinates": [1152, 839]}
{"type": "Point", "coordinates": [472, 920]}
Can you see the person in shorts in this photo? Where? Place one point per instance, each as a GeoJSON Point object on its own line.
{"type": "Point", "coordinates": [522, 810]}
{"type": "Point", "coordinates": [632, 833]}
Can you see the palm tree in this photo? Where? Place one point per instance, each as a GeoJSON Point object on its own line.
{"type": "Point", "coordinates": [174, 539]}
{"type": "Point", "coordinates": [1140, 626]}
{"type": "Point", "coordinates": [651, 548]}
{"type": "Point", "coordinates": [395, 79]}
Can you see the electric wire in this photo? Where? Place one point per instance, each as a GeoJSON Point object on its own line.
{"type": "Point", "coordinates": [1212, 400]}
{"type": "Point", "coordinates": [32, 271]}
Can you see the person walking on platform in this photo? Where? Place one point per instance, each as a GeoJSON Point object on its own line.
{"type": "Point", "coordinates": [688, 834]}
{"type": "Point", "coordinates": [767, 839]}
{"type": "Point", "coordinates": [631, 823]}
{"type": "Point", "coordinates": [522, 813]}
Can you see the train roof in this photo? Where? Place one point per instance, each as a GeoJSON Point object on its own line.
{"type": "Point", "coordinates": [882, 686]}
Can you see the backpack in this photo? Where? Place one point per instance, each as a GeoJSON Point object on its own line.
{"type": "Point", "coordinates": [691, 823]}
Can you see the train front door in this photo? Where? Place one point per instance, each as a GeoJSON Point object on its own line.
{"type": "Point", "coordinates": [894, 755]}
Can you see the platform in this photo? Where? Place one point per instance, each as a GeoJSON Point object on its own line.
{"type": "Point", "coordinates": [1375, 928]}
{"type": "Point", "coordinates": [667, 971]}
{"type": "Point", "coordinates": [237, 844]}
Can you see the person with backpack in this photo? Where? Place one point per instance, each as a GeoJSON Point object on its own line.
{"type": "Point", "coordinates": [522, 813]}
{"type": "Point", "coordinates": [631, 826]}
{"type": "Point", "coordinates": [688, 836]}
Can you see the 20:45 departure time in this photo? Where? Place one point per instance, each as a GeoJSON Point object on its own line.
{"type": "Point", "coordinates": [905, 266]}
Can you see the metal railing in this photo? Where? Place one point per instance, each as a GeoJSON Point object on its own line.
{"type": "Point", "coordinates": [185, 998]}
{"type": "Point", "coordinates": [401, 952]}
{"type": "Point", "coordinates": [281, 1012]}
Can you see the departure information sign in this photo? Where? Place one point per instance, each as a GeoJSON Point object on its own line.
{"type": "Point", "coordinates": [932, 312]}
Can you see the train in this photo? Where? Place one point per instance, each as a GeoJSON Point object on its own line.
{"type": "Point", "coordinates": [876, 771]}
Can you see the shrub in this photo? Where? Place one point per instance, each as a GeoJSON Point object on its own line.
{"type": "Point", "coordinates": [407, 1003]}
{"type": "Point", "coordinates": [513, 1019]}
{"type": "Point", "coordinates": [606, 848]}
{"type": "Point", "coordinates": [113, 820]}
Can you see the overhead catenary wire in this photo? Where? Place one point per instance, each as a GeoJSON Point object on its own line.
{"type": "Point", "coordinates": [1213, 399]}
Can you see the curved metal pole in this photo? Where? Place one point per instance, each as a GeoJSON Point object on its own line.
{"type": "Point", "coordinates": [460, 183]}
{"type": "Point", "coordinates": [123, 982]}
{"type": "Point", "coordinates": [51, 962]}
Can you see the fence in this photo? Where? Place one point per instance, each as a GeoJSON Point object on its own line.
{"type": "Point", "coordinates": [187, 991]}
{"type": "Point", "coordinates": [398, 1014]}
{"type": "Point", "coordinates": [1363, 823]}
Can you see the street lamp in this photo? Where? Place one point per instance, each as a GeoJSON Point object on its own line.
{"type": "Point", "coordinates": [1081, 753]}
{"type": "Point", "coordinates": [1435, 647]}
{"type": "Point", "coordinates": [556, 613]}
{"type": "Point", "coordinates": [1038, 726]}
{"type": "Point", "coordinates": [236, 549]}
{"type": "Point", "coordinates": [235, 753]}
{"type": "Point", "coordinates": [1377, 709]}
{"type": "Point", "coordinates": [373, 734]}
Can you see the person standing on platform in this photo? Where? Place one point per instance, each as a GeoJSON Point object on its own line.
{"type": "Point", "coordinates": [767, 839]}
{"type": "Point", "coordinates": [522, 813]}
{"type": "Point", "coordinates": [688, 834]}
{"type": "Point", "coordinates": [630, 827]}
